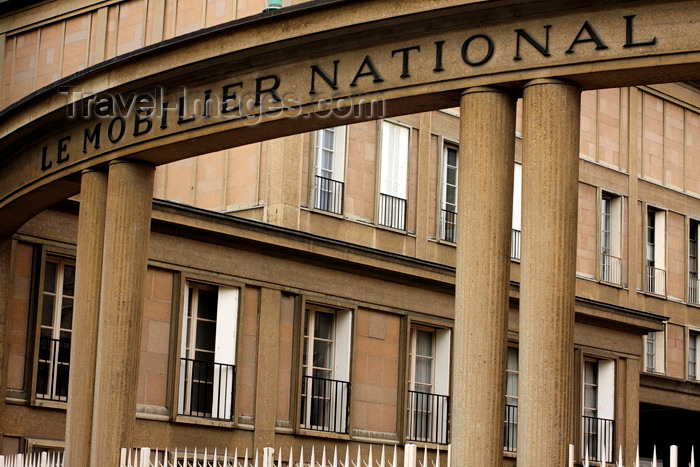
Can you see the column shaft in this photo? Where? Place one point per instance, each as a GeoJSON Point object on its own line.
{"type": "Point", "coordinates": [7, 275]}
{"type": "Point", "coordinates": [486, 160]}
{"type": "Point", "coordinates": [88, 280]}
{"type": "Point", "coordinates": [267, 370]}
{"type": "Point", "coordinates": [551, 113]}
{"type": "Point", "coordinates": [127, 229]}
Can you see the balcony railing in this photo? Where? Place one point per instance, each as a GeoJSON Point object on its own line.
{"type": "Point", "coordinates": [328, 195]}
{"type": "Point", "coordinates": [392, 211]}
{"type": "Point", "coordinates": [428, 418]}
{"type": "Point", "coordinates": [448, 223]}
{"type": "Point", "coordinates": [325, 404]}
{"type": "Point", "coordinates": [694, 290]}
{"type": "Point", "coordinates": [510, 438]}
{"type": "Point", "coordinates": [655, 280]}
{"type": "Point", "coordinates": [515, 244]}
{"type": "Point", "coordinates": [53, 368]}
{"type": "Point", "coordinates": [207, 389]}
{"type": "Point", "coordinates": [598, 433]}
{"type": "Point", "coordinates": [610, 269]}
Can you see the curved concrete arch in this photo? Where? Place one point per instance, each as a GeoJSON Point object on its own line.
{"type": "Point", "coordinates": [318, 65]}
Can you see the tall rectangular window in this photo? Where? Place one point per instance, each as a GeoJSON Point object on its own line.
{"type": "Point", "coordinates": [329, 169]}
{"type": "Point", "coordinates": [511, 422]}
{"type": "Point", "coordinates": [655, 270]}
{"type": "Point", "coordinates": [693, 279]}
{"type": "Point", "coordinates": [610, 238]}
{"type": "Point", "coordinates": [393, 185]}
{"type": "Point", "coordinates": [449, 194]}
{"type": "Point", "coordinates": [517, 211]}
{"type": "Point", "coordinates": [208, 352]}
{"type": "Point", "coordinates": [428, 385]}
{"type": "Point", "coordinates": [55, 329]}
{"type": "Point", "coordinates": [654, 349]}
{"type": "Point", "coordinates": [693, 355]}
{"type": "Point", "coordinates": [325, 389]}
{"type": "Point", "coordinates": [598, 409]}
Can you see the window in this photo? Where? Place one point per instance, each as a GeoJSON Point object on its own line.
{"type": "Point", "coordinates": [55, 329]}
{"type": "Point", "coordinates": [517, 211]}
{"type": "Point", "coordinates": [511, 423]}
{"type": "Point", "coordinates": [693, 355]}
{"type": "Point", "coordinates": [693, 280]}
{"type": "Point", "coordinates": [449, 194]}
{"type": "Point", "coordinates": [655, 252]}
{"type": "Point", "coordinates": [610, 242]}
{"type": "Point", "coordinates": [428, 386]}
{"type": "Point", "coordinates": [325, 389]}
{"type": "Point", "coordinates": [598, 409]}
{"type": "Point", "coordinates": [329, 169]}
{"type": "Point", "coordinates": [208, 352]}
{"type": "Point", "coordinates": [654, 352]}
{"type": "Point", "coordinates": [393, 184]}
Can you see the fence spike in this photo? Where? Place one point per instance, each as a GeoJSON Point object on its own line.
{"type": "Point", "coordinates": [449, 455]}
{"type": "Point", "coordinates": [437, 457]}
{"type": "Point", "coordinates": [301, 457]}
{"type": "Point", "coordinates": [323, 456]}
{"type": "Point", "coordinates": [619, 457]}
{"type": "Point", "coordinates": [382, 462]}
{"type": "Point", "coordinates": [673, 456]}
{"type": "Point", "coordinates": [585, 457]}
{"type": "Point", "coordinates": [279, 457]}
{"type": "Point", "coordinates": [370, 461]}
{"type": "Point", "coordinates": [425, 456]}
{"type": "Point", "coordinates": [393, 460]}
{"type": "Point", "coordinates": [291, 457]}
{"type": "Point", "coordinates": [692, 456]}
{"type": "Point", "coordinates": [653, 461]}
{"type": "Point", "coordinates": [245, 462]}
{"type": "Point", "coordinates": [335, 456]}
{"type": "Point", "coordinates": [347, 456]}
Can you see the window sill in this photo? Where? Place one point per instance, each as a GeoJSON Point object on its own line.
{"type": "Point", "coordinates": [324, 434]}
{"type": "Point", "coordinates": [186, 420]}
{"type": "Point", "coordinates": [50, 404]}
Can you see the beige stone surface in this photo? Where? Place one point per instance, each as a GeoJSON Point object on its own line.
{"type": "Point", "coordinates": [550, 190]}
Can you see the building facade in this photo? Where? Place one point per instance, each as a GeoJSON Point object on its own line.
{"type": "Point", "coordinates": [302, 290]}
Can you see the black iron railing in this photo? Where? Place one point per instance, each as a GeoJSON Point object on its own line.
{"type": "Point", "coordinates": [655, 280]}
{"type": "Point", "coordinates": [515, 244]}
{"type": "Point", "coordinates": [53, 369]}
{"type": "Point", "coordinates": [207, 389]}
{"type": "Point", "coordinates": [449, 225]}
{"type": "Point", "coordinates": [610, 269]}
{"type": "Point", "coordinates": [428, 418]}
{"type": "Point", "coordinates": [328, 195]}
{"type": "Point", "coordinates": [693, 290]}
{"type": "Point", "coordinates": [510, 438]}
{"type": "Point", "coordinates": [325, 404]}
{"type": "Point", "coordinates": [392, 211]}
{"type": "Point", "coordinates": [598, 438]}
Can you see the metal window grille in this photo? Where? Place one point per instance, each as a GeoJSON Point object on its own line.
{"type": "Point", "coordinates": [392, 211]}
{"type": "Point", "coordinates": [428, 418]}
{"type": "Point", "coordinates": [209, 389]}
{"type": "Point", "coordinates": [598, 434]}
{"type": "Point", "coordinates": [53, 369]}
{"type": "Point", "coordinates": [510, 438]}
{"type": "Point", "coordinates": [655, 280]}
{"type": "Point", "coordinates": [611, 269]}
{"type": "Point", "coordinates": [449, 225]}
{"type": "Point", "coordinates": [515, 244]}
{"type": "Point", "coordinates": [328, 195]}
{"type": "Point", "coordinates": [325, 404]}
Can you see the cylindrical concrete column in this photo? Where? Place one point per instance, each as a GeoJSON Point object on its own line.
{"type": "Point", "coordinates": [551, 111]}
{"type": "Point", "coordinates": [127, 230]}
{"type": "Point", "coordinates": [88, 280]}
{"type": "Point", "coordinates": [485, 200]}
{"type": "Point", "coordinates": [6, 292]}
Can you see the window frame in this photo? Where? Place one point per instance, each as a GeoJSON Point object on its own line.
{"type": "Point", "coordinates": [605, 404]}
{"type": "Point", "coordinates": [175, 366]}
{"type": "Point", "coordinates": [380, 178]}
{"type": "Point", "coordinates": [655, 233]}
{"type": "Point", "coordinates": [444, 214]}
{"type": "Point", "coordinates": [610, 232]}
{"type": "Point", "coordinates": [337, 174]}
{"type": "Point", "coordinates": [693, 289]}
{"type": "Point", "coordinates": [693, 354]}
{"type": "Point", "coordinates": [341, 369]}
{"type": "Point", "coordinates": [42, 253]}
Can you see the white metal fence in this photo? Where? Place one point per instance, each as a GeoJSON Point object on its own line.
{"type": "Point", "coordinates": [332, 457]}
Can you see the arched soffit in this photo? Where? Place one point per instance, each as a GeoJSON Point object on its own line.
{"type": "Point", "coordinates": [319, 65]}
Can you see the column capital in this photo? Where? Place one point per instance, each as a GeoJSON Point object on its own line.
{"type": "Point", "coordinates": [540, 81]}
{"type": "Point", "coordinates": [490, 89]}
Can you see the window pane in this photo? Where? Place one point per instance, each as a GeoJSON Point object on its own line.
{"type": "Point", "coordinates": [50, 277]}
{"type": "Point", "coordinates": [324, 325]}
{"type": "Point", "coordinates": [424, 343]}
{"type": "Point", "coordinates": [47, 311]}
{"type": "Point", "coordinates": [207, 301]}
{"type": "Point", "coordinates": [68, 280]}
{"type": "Point", "coordinates": [424, 371]}
{"type": "Point", "coordinates": [323, 354]}
{"type": "Point", "coordinates": [67, 313]}
{"type": "Point", "coordinates": [206, 335]}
